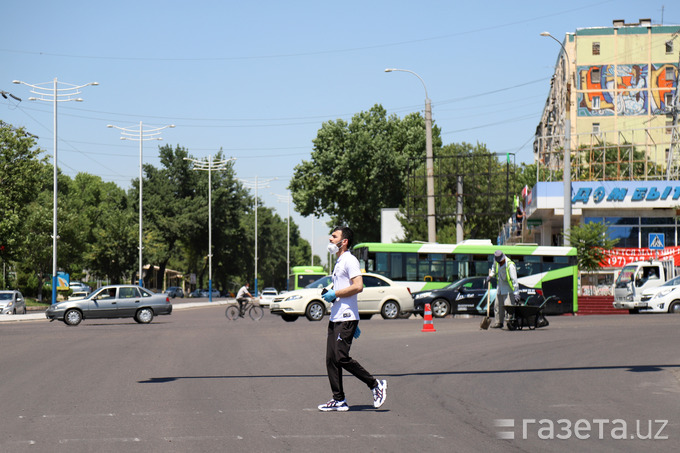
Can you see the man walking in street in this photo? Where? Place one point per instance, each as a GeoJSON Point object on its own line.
{"type": "Point", "coordinates": [507, 292]}
{"type": "Point", "coordinates": [347, 283]}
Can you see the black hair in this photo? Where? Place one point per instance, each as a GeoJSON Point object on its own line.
{"type": "Point", "coordinates": [347, 233]}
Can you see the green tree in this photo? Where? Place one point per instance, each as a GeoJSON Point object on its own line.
{"type": "Point", "coordinates": [170, 211]}
{"type": "Point", "coordinates": [22, 179]}
{"type": "Point", "coordinates": [37, 248]}
{"type": "Point", "coordinates": [357, 168]}
{"type": "Point", "coordinates": [113, 253]}
{"type": "Point", "coordinates": [591, 241]}
{"type": "Point", "coordinates": [36, 253]}
{"type": "Point", "coordinates": [110, 229]}
{"type": "Point", "coordinates": [489, 183]}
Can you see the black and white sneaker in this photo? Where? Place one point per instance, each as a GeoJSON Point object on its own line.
{"type": "Point", "coordinates": [379, 393]}
{"type": "Point", "coordinates": [333, 405]}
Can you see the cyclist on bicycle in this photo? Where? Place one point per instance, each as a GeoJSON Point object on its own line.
{"type": "Point", "coordinates": [242, 298]}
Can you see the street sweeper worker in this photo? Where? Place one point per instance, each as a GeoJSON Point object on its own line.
{"type": "Point", "coordinates": [507, 293]}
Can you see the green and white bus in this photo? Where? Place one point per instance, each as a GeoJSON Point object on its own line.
{"type": "Point", "coordinates": [552, 270]}
{"type": "Point", "coordinates": [301, 276]}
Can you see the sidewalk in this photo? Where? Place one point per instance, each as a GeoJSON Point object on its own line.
{"type": "Point", "coordinates": [178, 305]}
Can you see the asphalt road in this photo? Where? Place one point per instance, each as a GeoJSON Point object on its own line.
{"type": "Point", "coordinates": [194, 381]}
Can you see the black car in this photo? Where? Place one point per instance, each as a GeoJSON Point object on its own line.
{"type": "Point", "coordinates": [466, 296]}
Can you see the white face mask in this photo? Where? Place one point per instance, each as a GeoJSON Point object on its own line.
{"type": "Point", "coordinates": [334, 248]}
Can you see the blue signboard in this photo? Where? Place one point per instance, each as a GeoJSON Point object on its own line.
{"type": "Point", "coordinates": [656, 241]}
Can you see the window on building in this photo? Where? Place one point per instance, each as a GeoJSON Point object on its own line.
{"type": "Point", "coordinates": [596, 128]}
{"type": "Point", "coordinates": [595, 75]}
{"type": "Point", "coordinates": [670, 73]}
{"type": "Point", "coordinates": [669, 126]}
{"type": "Point", "coordinates": [669, 47]}
{"type": "Point", "coordinates": [596, 48]}
{"type": "Point", "coordinates": [668, 100]}
{"type": "Point", "coordinates": [596, 103]}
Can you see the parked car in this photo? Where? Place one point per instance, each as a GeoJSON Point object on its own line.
{"type": "Point", "coordinates": [204, 293]}
{"type": "Point", "coordinates": [466, 296]}
{"type": "Point", "coordinates": [662, 299]}
{"type": "Point", "coordinates": [174, 291]}
{"type": "Point", "coordinates": [12, 302]}
{"type": "Point", "coordinates": [380, 295]}
{"type": "Point", "coordinates": [115, 301]}
{"type": "Point", "coordinates": [76, 295]}
{"type": "Point", "coordinates": [267, 296]}
{"type": "Point", "coordinates": [80, 286]}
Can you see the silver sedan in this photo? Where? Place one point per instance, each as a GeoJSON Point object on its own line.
{"type": "Point", "coordinates": [116, 301]}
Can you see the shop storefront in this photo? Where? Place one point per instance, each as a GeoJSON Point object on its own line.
{"type": "Point", "coordinates": [635, 212]}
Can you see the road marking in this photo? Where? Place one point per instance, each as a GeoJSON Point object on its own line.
{"type": "Point", "coordinates": [105, 439]}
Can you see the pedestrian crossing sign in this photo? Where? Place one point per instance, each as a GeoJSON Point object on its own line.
{"type": "Point", "coordinates": [656, 241]}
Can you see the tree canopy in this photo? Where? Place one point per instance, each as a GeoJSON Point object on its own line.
{"type": "Point", "coordinates": [22, 174]}
{"type": "Point", "coordinates": [591, 242]}
{"type": "Point", "coordinates": [359, 167]}
{"type": "Point", "coordinates": [98, 223]}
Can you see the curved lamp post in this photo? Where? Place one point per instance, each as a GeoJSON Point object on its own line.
{"type": "Point", "coordinates": [210, 166]}
{"type": "Point", "coordinates": [256, 184]}
{"type": "Point", "coordinates": [140, 135]}
{"type": "Point", "coordinates": [566, 226]}
{"type": "Point", "coordinates": [429, 164]}
{"type": "Point", "coordinates": [54, 94]}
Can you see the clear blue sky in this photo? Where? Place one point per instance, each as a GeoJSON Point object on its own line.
{"type": "Point", "coordinates": [258, 79]}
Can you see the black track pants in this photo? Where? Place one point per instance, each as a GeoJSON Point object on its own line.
{"type": "Point", "coordinates": [338, 343]}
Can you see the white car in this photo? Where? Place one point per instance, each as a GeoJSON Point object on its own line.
{"type": "Point", "coordinates": [662, 299]}
{"type": "Point", "coordinates": [80, 286]}
{"type": "Point", "coordinates": [12, 302]}
{"type": "Point", "coordinates": [267, 296]}
{"type": "Point", "coordinates": [380, 295]}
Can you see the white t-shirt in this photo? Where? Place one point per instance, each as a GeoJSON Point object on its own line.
{"type": "Point", "coordinates": [345, 308]}
{"type": "Point", "coordinates": [242, 293]}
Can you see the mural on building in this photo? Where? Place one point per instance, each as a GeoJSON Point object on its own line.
{"type": "Point", "coordinates": [661, 81]}
{"type": "Point", "coordinates": [639, 89]}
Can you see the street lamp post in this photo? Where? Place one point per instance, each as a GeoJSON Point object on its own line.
{"type": "Point", "coordinates": [209, 166]}
{"type": "Point", "coordinates": [429, 161]}
{"type": "Point", "coordinates": [286, 199]}
{"type": "Point", "coordinates": [141, 136]}
{"type": "Point", "coordinates": [566, 226]}
{"type": "Point", "coordinates": [257, 184]}
{"type": "Point", "coordinates": [55, 95]}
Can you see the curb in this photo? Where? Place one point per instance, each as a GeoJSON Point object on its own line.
{"type": "Point", "coordinates": [39, 313]}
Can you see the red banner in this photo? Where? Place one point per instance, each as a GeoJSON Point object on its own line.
{"type": "Point", "coordinates": [619, 257]}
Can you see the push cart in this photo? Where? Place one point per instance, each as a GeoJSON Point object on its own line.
{"type": "Point", "coordinates": [529, 315]}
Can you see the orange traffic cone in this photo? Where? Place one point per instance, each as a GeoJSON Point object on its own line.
{"type": "Point", "coordinates": [427, 323]}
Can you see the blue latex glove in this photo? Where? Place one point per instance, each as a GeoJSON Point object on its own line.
{"type": "Point", "coordinates": [329, 296]}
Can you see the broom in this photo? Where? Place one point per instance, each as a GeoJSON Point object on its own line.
{"type": "Point", "coordinates": [486, 321]}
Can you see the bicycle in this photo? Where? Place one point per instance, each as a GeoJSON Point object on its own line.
{"type": "Point", "coordinates": [255, 311]}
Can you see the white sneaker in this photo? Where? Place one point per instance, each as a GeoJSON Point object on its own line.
{"type": "Point", "coordinates": [379, 393]}
{"type": "Point", "coordinates": [334, 405]}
